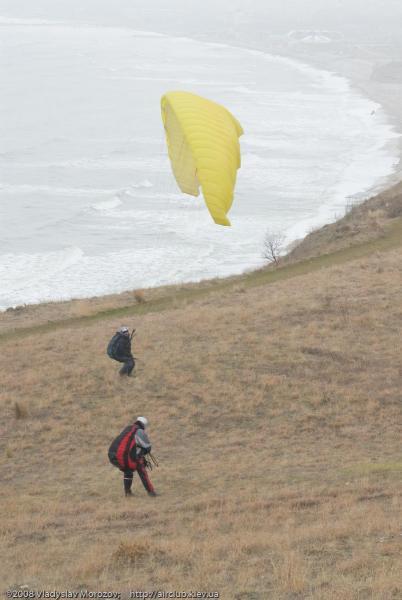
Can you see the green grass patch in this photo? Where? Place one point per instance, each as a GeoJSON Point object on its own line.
{"type": "Point", "coordinates": [369, 468]}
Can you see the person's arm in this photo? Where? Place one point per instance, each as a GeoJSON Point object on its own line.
{"type": "Point", "coordinates": [127, 346]}
{"type": "Point", "coordinates": [143, 443]}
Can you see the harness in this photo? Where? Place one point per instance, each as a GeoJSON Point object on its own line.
{"type": "Point", "coordinates": [123, 451]}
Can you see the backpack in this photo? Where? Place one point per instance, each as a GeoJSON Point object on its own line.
{"type": "Point", "coordinates": [122, 448]}
{"type": "Point", "coordinates": [112, 346]}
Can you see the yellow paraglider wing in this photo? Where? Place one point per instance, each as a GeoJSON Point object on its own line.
{"type": "Point", "coordinates": [203, 145]}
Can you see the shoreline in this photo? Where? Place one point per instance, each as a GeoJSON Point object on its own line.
{"type": "Point", "coordinates": [392, 146]}
{"type": "Point", "coordinates": [346, 62]}
{"type": "Point", "coordinates": [371, 228]}
{"type": "Point", "coordinates": [393, 114]}
{"type": "Point", "coordinates": [359, 67]}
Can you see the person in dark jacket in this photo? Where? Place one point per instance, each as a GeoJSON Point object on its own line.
{"type": "Point", "coordinates": [119, 348]}
{"type": "Point", "coordinates": [128, 451]}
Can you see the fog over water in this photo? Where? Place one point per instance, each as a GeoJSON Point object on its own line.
{"type": "Point", "coordinates": [88, 204]}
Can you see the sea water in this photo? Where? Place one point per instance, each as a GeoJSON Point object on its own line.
{"type": "Point", "coordinates": [88, 204]}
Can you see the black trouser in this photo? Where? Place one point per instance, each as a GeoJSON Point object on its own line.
{"type": "Point", "coordinates": [128, 479]}
{"type": "Point", "coordinates": [128, 475]}
{"type": "Point", "coordinates": [129, 364]}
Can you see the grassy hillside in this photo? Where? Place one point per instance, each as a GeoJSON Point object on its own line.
{"type": "Point", "coordinates": [275, 409]}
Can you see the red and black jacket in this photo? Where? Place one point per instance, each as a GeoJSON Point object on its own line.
{"type": "Point", "coordinates": [122, 450]}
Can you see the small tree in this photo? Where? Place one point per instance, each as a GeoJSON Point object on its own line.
{"type": "Point", "coordinates": [273, 244]}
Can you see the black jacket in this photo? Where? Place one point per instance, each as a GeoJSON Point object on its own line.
{"type": "Point", "coordinates": [122, 346]}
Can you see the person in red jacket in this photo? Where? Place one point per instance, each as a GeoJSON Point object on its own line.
{"type": "Point", "coordinates": [128, 451]}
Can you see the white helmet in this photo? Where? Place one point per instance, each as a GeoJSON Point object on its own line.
{"type": "Point", "coordinates": [144, 421]}
{"type": "Point", "coordinates": [124, 330]}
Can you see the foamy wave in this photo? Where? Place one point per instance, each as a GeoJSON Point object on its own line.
{"type": "Point", "coordinates": [156, 195]}
{"type": "Point", "coordinates": [259, 142]}
{"type": "Point", "coordinates": [144, 184]}
{"type": "Point", "coordinates": [22, 274]}
{"type": "Point", "coordinates": [57, 191]}
{"type": "Point", "coordinates": [107, 205]}
{"type": "Point", "coordinates": [117, 200]}
{"type": "Point", "coordinates": [73, 274]}
{"type": "Point", "coordinates": [131, 191]}
{"type": "Point", "coordinates": [103, 162]}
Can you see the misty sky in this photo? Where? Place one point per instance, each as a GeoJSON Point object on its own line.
{"type": "Point", "coordinates": [367, 18]}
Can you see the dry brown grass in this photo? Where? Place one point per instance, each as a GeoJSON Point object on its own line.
{"type": "Point", "coordinates": [139, 296]}
{"type": "Point", "coordinates": [276, 415]}
{"type": "Point", "coordinates": [361, 223]}
{"type": "Point", "coordinates": [20, 411]}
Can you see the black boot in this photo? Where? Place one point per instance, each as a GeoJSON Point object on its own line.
{"type": "Point", "coordinates": [128, 481]}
